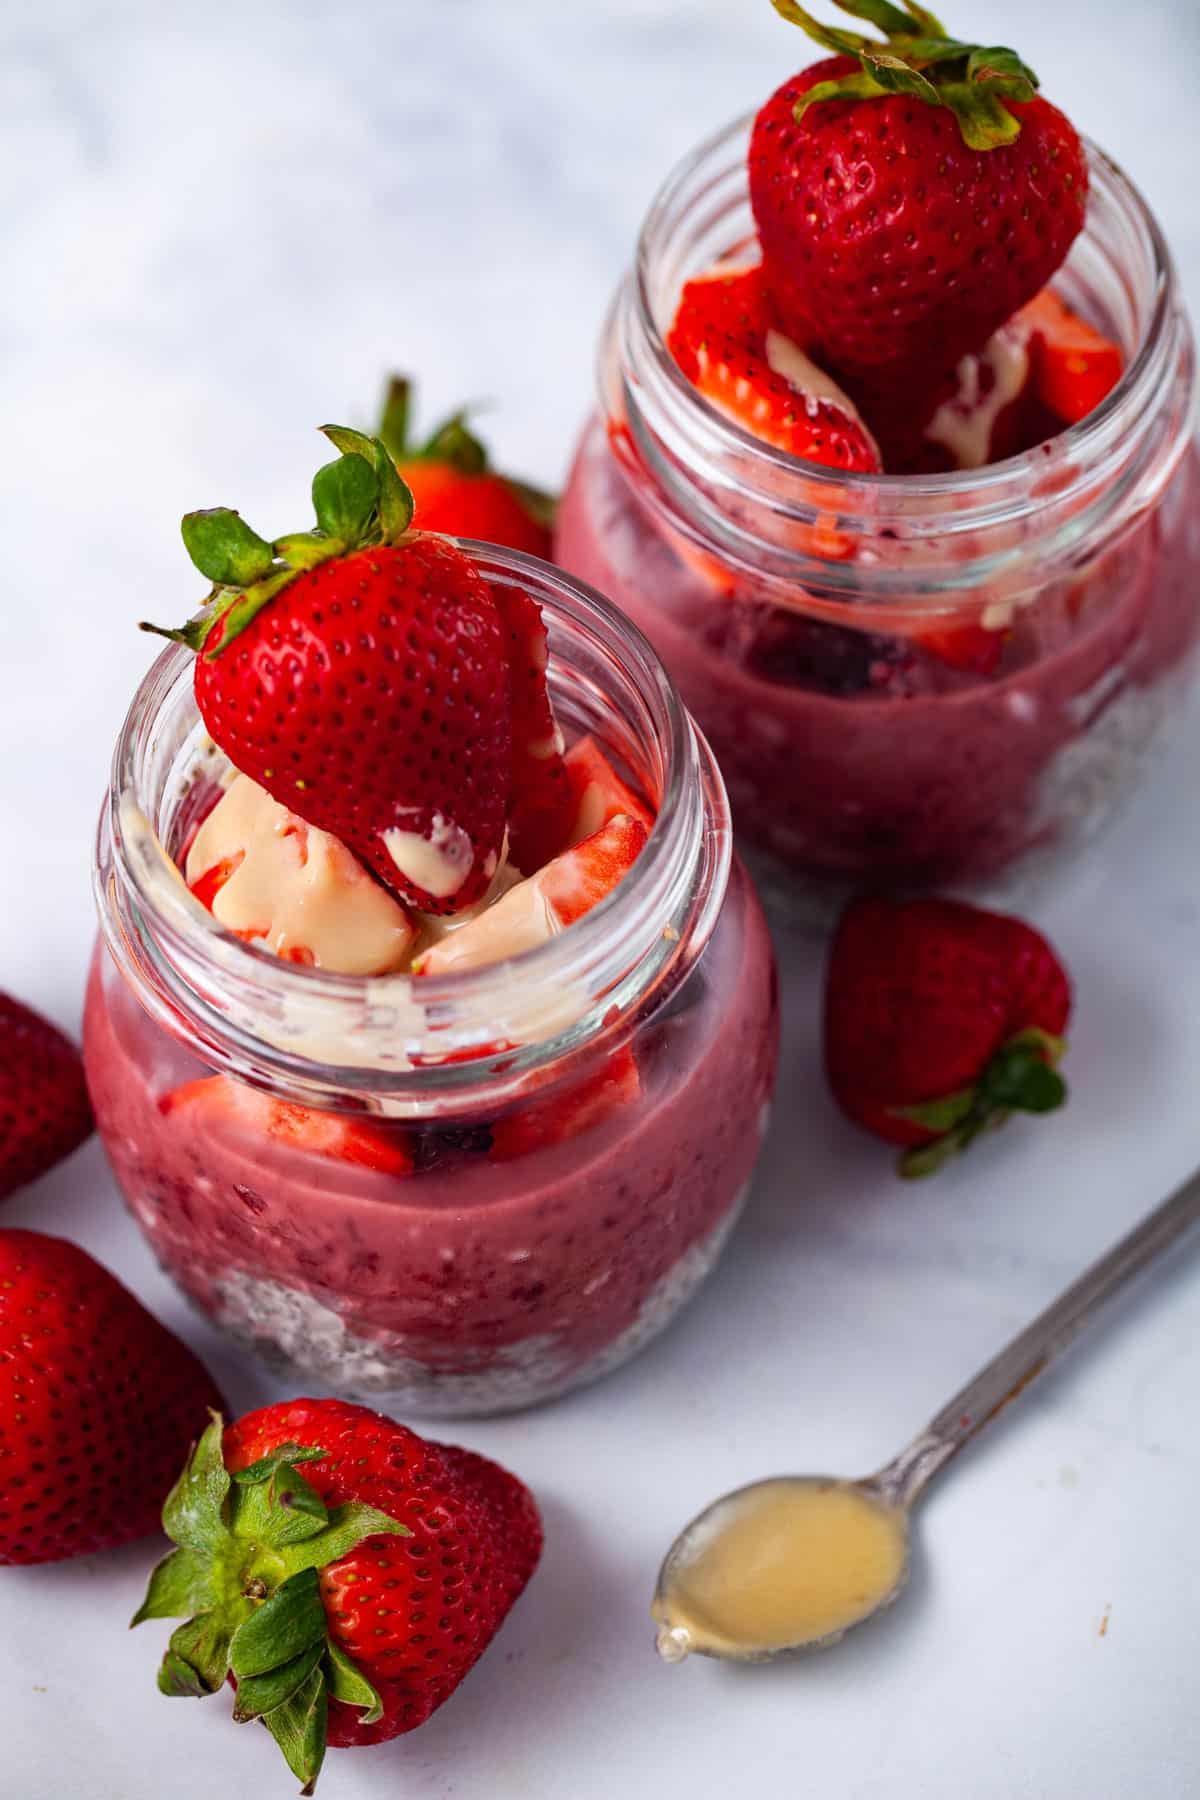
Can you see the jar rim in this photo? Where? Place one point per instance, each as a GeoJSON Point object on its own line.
{"type": "Point", "coordinates": [192, 972]}
{"type": "Point", "coordinates": [1126, 444]}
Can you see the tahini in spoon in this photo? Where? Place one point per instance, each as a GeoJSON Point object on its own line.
{"type": "Point", "coordinates": [794, 1562]}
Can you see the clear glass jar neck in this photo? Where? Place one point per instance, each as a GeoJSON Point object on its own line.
{"type": "Point", "coordinates": [385, 1041]}
{"type": "Point", "coordinates": [933, 542]}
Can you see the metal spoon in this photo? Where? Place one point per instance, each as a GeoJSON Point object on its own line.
{"type": "Point", "coordinates": [701, 1602]}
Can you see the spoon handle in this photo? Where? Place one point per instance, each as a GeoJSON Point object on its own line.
{"type": "Point", "coordinates": [1035, 1348]}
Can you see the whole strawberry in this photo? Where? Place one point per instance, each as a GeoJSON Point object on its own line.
{"type": "Point", "coordinates": [44, 1107]}
{"type": "Point", "coordinates": [343, 1572]}
{"type": "Point", "coordinates": [910, 195]}
{"type": "Point", "coordinates": [940, 1021]}
{"type": "Point", "coordinates": [98, 1403]}
{"type": "Point", "coordinates": [455, 488]}
{"type": "Point", "coordinates": [359, 673]}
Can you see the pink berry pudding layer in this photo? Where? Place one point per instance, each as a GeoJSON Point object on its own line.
{"type": "Point", "coordinates": [942, 671]}
{"type": "Point", "coordinates": [458, 1160]}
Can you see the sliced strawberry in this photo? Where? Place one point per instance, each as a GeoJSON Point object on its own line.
{"type": "Point", "coordinates": [558, 1117]}
{"type": "Point", "coordinates": [540, 806]}
{"type": "Point", "coordinates": [968, 648]}
{"type": "Point", "coordinates": [724, 339]}
{"type": "Point", "coordinates": [217, 1099]}
{"type": "Point", "coordinates": [598, 793]}
{"type": "Point", "coordinates": [1075, 366]}
{"type": "Point", "coordinates": [579, 879]}
{"type": "Point", "coordinates": [206, 887]}
{"type": "Point", "coordinates": [538, 908]}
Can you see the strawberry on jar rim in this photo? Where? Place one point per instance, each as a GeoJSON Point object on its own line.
{"type": "Point", "coordinates": [358, 672]}
{"type": "Point", "coordinates": [342, 1572]}
{"type": "Point", "coordinates": [911, 194]}
{"type": "Point", "coordinates": [941, 1020]}
{"type": "Point", "coordinates": [98, 1404]}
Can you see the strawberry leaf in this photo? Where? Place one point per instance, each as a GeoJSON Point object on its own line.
{"type": "Point", "coordinates": [455, 443]}
{"type": "Point", "coordinates": [927, 21]}
{"type": "Point", "coordinates": [258, 1694]}
{"type": "Point", "coordinates": [847, 87]}
{"type": "Point", "coordinates": [278, 1508]}
{"type": "Point", "coordinates": [890, 20]}
{"type": "Point", "coordinates": [394, 419]}
{"type": "Point", "coordinates": [969, 79]}
{"type": "Point", "coordinates": [195, 1512]}
{"type": "Point", "coordinates": [985, 123]}
{"type": "Point", "coordinates": [394, 509]}
{"type": "Point", "coordinates": [299, 1727]}
{"type": "Point", "coordinates": [348, 1527]}
{"type": "Point", "coordinates": [1019, 1078]}
{"type": "Point", "coordinates": [1003, 72]}
{"type": "Point", "coordinates": [197, 1660]}
{"type": "Point", "coordinates": [345, 494]}
{"type": "Point", "coordinates": [306, 549]}
{"type": "Point", "coordinates": [348, 1684]}
{"type": "Point", "coordinates": [246, 607]}
{"type": "Point", "coordinates": [896, 77]}
{"type": "Point", "coordinates": [281, 1628]}
{"type": "Point", "coordinates": [180, 1585]}
{"type": "Point", "coordinates": [938, 1115]}
{"type": "Point", "coordinates": [287, 1455]}
{"type": "Point", "coordinates": [842, 43]}
{"type": "Point", "coordinates": [224, 548]}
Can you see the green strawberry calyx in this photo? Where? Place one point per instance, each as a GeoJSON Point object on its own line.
{"type": "Point", "coordinates": [454, 444]}
{"type": "Point", "coordinates": [918, 57]}
{"type": "Point", "coordinates": [245, 1578]}
{"type": "Point", "coordinates": [359, 501]}
{"type": "Point", "coordinates": [1021, 1077]}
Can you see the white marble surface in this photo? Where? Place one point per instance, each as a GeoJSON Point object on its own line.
{"type": "Point", "coordinates": [222, 223]}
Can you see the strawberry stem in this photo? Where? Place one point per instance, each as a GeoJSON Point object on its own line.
{"type": "Point", "coordinates": [919, 58]}
{"type": "Point", "coordinates": [250, 1546]}
{"type": "Point", "coordinates": [359, 500]}
{"type": "Point", "coordinates": [1021, 1077]}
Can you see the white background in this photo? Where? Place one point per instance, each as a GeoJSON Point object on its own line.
{"type": "Point", "coordinates": [221, 225]}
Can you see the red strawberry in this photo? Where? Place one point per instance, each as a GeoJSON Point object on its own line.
{"type": "Point", "coordinates": [98, 1403]}
{"type": "Point", "coordinates": [44, 1107]}
{"type": "Point", "coordinates": [1074, 366]}
{"type": "Point", "coordinates": [358, 673]}
{"type": "Point", "coordinates": [216, 1102]}
{"type": "Point", "coordinates": [940, 1020]}
{"type": "Point", "coordinates": [540, 807]}
{"type": "Point", "coordinates": [910, 196]}
{"type": "Point", "coordinates": [724, 338]}
{"type": "Point", "coordinates": [455, 488]}
{"type": "Point", "coordinates": [342, 1571]}
{"type": "Point", "coordinates": [598, 793]}
{"type": "Point", "coordinates": [558, 1117]}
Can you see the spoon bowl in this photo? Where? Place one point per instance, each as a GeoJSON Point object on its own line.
{"type": "Point", "coordinates": [794, 1562]}
{"type": "Point", "coordinates": [784, 1565]}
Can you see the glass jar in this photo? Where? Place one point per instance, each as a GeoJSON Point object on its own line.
{"type": "Point", "coordinates": [548, 1154]}
{"type": "Point", "coordinates": [805, 613]}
